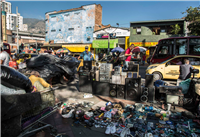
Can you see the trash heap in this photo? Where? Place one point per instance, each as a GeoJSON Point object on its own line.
{"type": "Point", "coordinates": [50, 66]}
{"type": "Point", "coordinates": [136, 120]}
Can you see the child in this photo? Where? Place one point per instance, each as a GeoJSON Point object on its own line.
{"type": "Point", "coordinates": [13, 63]}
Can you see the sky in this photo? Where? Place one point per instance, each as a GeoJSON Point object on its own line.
{"type": "Point", "coordinates": [122, 12]}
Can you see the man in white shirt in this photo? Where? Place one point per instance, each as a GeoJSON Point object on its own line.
{"type": "Point", "coordinates": [4, 57]}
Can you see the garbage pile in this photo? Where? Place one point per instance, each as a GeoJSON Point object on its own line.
{"type": "Point", "coordinates": [50, 66]}
{"type": "Point", "coordinates": [136, 120]}
{"type": "Point", "coordinates": [14, 82]}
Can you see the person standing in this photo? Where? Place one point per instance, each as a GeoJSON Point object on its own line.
{"type": "Point", "coordinates": [86, 55]}
{"type": "Point", "coordinates": [185, 71]}
{"type": "Point", "coordinates": [128, 55]}
{"type": "Point", "coordinates": [13, 63]}
{"type": "Point", "coordinates": [4, 57]}
{"type": "Point", "coordinates": [143, 59]}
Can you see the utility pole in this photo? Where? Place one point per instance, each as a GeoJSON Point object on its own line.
{"type": "Point", "coordinates": [17, 26]}
{"type": "Point", "coordinates": [108, 43]}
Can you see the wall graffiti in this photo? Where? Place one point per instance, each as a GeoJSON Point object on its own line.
{"type": "Point", "coordinates": [74, 26]}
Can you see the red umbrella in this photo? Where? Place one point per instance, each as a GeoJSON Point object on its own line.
{"type": "Point", "coordinates": [139, 49]}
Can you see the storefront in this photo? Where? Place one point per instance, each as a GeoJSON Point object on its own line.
{"type": "Point", "coordinates": [101, 46]}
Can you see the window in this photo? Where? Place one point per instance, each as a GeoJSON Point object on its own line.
{"type": "Point", "coordinates": [46, 19]}
{"type": "Point", "coordinates": [71, 29]}
{"type": "Point", "coordinates": [177, 61]}
{"type": "Point", "coordinates": [194, 47]}
{"type": "Point", "coordinates": [77, 13]}
{"type": "Point", "coordinates": [66, 15]}
{"type": "Point", "coordinates": [53, 30]}
{"type": "Point", "coordinates": [163, 50]}
{"type": "Point", "coordinates": [59, 29]}
{"type": "Point", "coordinates": [53, 16]}
{"type": "Point", "coordinates": [194, 61]}
{"type": "Point", "coordinates": [46, 31]}
{"type": "Point", "coordinates": [168, 41]}
{"type": "Point", "coordinates": [181, 47]}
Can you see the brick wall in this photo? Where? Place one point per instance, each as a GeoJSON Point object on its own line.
{"type": "Point", "coordinates": [98, 16]}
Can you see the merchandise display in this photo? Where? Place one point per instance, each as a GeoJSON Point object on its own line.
{"type": "Point", "coordinates": [118, 119]}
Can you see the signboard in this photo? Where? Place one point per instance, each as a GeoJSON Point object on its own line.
{"type": "Point", "coordinates": [144, 44]}
{"type": "Point", "coordinates": [104, 43]}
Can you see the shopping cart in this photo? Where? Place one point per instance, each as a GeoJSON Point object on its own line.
{"type": "Point", "coordinates": [32, 121]}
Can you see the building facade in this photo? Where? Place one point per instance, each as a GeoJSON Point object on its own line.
{"type": "Point", "coordinates": [6, 6]}
{"type": "Point", "coordinates": [25, 27]}
{"type": "Point", "coordinates": [148, 33]}
{"type": "Point", "coordinates": [73, 26]}
{"type": "Point", "coordinates": [12, 22]}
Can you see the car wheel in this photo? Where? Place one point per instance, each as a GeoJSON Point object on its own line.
{"type": "Point", "coordinates": [157, 76]}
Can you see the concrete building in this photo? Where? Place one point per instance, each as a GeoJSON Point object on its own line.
{"type": "Point", "coordinates": [148, 33]}
{"type": "Point", "coordinates": [6, 6]}
{"type": "Point", "coordinates": [73, 28]}
{"type": "Point", "coordinates": [25, 27]}
{"type": "Point", "coordinates": [11, 22]}
{"type": "Point", "coordinates": [27, 39]}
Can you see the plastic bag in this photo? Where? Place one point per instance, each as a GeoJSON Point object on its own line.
{"type": "Point", "coordinates": [12, 78]}
{"type": "Point", "coordinates": [185, 85]}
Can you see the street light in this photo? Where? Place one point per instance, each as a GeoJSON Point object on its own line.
{"type": "Point", "coordinates": [109, 38]}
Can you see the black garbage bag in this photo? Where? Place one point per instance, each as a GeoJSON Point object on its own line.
{"type": "Point", "coordinates": [68, 64]}
{"type": "Point", "coordinates": [72, 61]}
{"type": "Point", "coordinates": [12, 78]}
{"type": "Point", "coordinates": [47, 71]}
{"type": "Point", "coordinates": [41, 60]}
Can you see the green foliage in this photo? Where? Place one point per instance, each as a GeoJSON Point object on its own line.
{"type": "Point", "coordinates": [175, 29]}
{"type": "Point", "coordinates": [193, 16]}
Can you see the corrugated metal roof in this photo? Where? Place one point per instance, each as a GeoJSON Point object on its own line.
{"type": "Point", "coordinates": [113, 27]}
{"type": "Point", "coordinates": [151, 21]}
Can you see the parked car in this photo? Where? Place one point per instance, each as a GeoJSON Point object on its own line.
{"type": "Point", "coordinates": [169, 68]}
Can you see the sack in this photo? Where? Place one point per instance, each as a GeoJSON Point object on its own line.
{"type": "Point", "coordinates": [12, 78]}
{"type": "Point", "coordinates": [122, 56]}
{"type": "Point", "coordinates": [185, 85]}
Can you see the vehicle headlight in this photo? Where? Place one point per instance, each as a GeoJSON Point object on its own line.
{"type": "Point", "coordinates": [151, 67]}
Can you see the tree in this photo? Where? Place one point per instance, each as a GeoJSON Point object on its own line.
{"type": "Point", "coordinates": [175, 29]}
{"type": "Point", "coordinates": [193, 16]}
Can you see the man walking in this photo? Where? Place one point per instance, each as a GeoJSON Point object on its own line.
{"type": "Point", "coordinates": [185, 71]}
{"type": "Point", "coordinates": [4, 57]}
{"type": "Point", "coordinates": [86, 55]}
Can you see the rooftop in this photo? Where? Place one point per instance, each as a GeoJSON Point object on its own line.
{"type": "Point", "coordinates": [73, 9]}
{"type": "Point", "coordinates": [112, 27]}
{"type": "Point", "coordinates": [152, 21]}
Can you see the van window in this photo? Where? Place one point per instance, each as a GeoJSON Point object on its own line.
{"type": "Point", "coordinates": [194, 46]}
{"type": "Point", "coordinates": [181, 47]}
